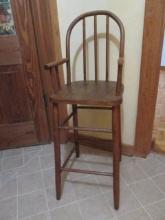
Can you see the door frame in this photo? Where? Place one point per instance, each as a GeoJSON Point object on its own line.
{"type": "Point", "coordinates": [149, 76]}
{"type": "Point", "coordinates": [47, 34]}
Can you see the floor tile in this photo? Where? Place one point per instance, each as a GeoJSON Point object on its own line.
{"type": "Point", "coordinates": [127, 159]}
{"type": "Point", "coordinates": [95, 209]}
{"type": "Point", "coordinates": [157, 211]}
{"type": "Point", "coordinates": [146, 192]}
{"type": "Point", "coordinates": [67, 212]}
{"type": "Point", "coordinates": [12, 152]}
{"type": "Point", "coordinates": [30, 182]}
{"type": "Point", "coordinates": [101, 163]}
{"type": "Point", "coordinates": [79, 163]}
{"type": "Point", "coordinates": [7, 175]}
{"type": "Point", "coordinates": [139, 214]}
{"type": "Point", "coordinates": [47, 161]}
{"type": "Point", "coordinates": [8, 209]}
{"type": "Point", "coordinates": [66, 148]}
{"type": "Point", "coordinates": [12, 162]}
{"type": "Point", "coordinates": [31, 166]}
{"type": "Point", "coordinates": [160, 181]}
{"type": "Point", "coordinates": [33, 148]}
{"type": "Point", "coordinates": [131, 172]}
{"type": "Point", "coordinates": [160, 157]}
{"type": "Point", "coordinates": [48, 148]}
{"type": "Point", "coordinates": [151, 165]}
{"type": "Point", "coordinates": [83, 196]}
{"type": "Point", "coordinates": [49, 177]}
{"type": "Point", "coordinates": [105, 183]}
{"type": "Point", "coordinates": [67, 196]}
{"type": "Point", "coordinates": [43, 216]}
{"type": "Point", "coordinates": [31, 155]}
{"type": "Point", "coordinates": [8, 188]}
{"type": "Point", "coordinates": [86, 187]}
{"type": "Point", "coordinates": [1, 154]}
{"type": "Point", "coordinates": [31, 204]}
{"type": "Point", "coordinates": [128, 202]}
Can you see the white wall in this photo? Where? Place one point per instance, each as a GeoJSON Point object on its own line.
{"type": "Point", "coordinates": [163, 53]}
{"type": "Point", "coordinates": [131, 12]}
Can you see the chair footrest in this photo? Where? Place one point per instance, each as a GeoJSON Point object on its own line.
{"type": "Point", "coordinates": [86, 171]}
{"type": "Point", "coordinates": [104, 130]}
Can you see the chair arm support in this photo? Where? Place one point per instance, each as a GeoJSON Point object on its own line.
{"type": "Point", "coordinates": [56, 63]}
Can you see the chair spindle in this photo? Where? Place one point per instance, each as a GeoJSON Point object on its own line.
{"type": "Point", "coordinates": [107, 47]}
{"type": "Point", "coordinates": [84, 49]}
{"type": "Point", "coordinates": [95, 47]}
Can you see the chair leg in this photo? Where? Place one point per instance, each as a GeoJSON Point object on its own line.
{"type": "Point", "coordinates": [120, 134]}
{"type": "Point", "coordinates": [75, 123]}
{"type": "Point", "coordinates": [116, 154]}
{"type": "Point", "coordinates": [57, 151]}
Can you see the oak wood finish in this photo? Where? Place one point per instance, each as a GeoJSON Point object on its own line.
{"type": "Point", "coordinates": [17, 134]}
{"type": "Point", "coordinates": [10, 47]}
{"type": "Point", "coordinates": [116, 153]}
{"type": "Point", "coordinates": [57, 150]}
{"type": "Point", "coordinates": [25, 32]}
{"type": "Point", "coordinates": [84, 50]}
{"type": "Point", "coordinates": [107, 48]}
{"type": "Point", "coordinates": [47, 34]}
{"type": "Point", "coordinates": [85, 93]}
{"type": "Point", "coordinates": [23, 119]}
{"type": "Point", "coordinates": [100, 94]}
{"type": "Point", "coordinates": [149, 78]}
{"type": "Point", "coordinates": [75, 124]}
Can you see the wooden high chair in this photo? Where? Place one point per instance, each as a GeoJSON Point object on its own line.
{"type": "Point", "coordinates": [89, 94]}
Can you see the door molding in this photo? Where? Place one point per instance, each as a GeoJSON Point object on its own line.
{"type": "Point", "coordinates": [149, 77]}
{"type": "Point", "coordinates": [47, 34]}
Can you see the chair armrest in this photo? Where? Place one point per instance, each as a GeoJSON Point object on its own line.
{"type": "Point", "coordinates": [56, 63]}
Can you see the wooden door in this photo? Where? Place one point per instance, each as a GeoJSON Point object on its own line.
{"type": "Point", "coordinates": [23, 119]}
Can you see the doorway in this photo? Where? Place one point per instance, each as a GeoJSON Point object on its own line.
{"type": "Point", "coordinates": [159, 121]}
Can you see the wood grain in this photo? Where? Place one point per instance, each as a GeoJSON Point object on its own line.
{"type": "Point", "coordinates": [25, 31]}
{"type": "Point", "coordinates": [45, 17]}
{"type": "Point", "coordinates": [14, 106]}
{"type": "Point", "coordinates": [89, 93]}
{"type": "Point", "coordinates": [149, 78]}
{"type": "Point", "coordinates": [17, 135]}
{"type": "Point", "coordinates": [10, 47]}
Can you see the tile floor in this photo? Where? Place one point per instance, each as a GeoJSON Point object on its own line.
{"type": "Point", "coordinates": [27, 187]}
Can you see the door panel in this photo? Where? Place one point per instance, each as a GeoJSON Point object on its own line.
{"type": "Point", "coordinates": [23, 118]}
{"type": "Point", "coordinates": [13, 106]}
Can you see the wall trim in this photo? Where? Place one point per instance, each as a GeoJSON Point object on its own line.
{"type": "Point", "coordinates": [149, 77]}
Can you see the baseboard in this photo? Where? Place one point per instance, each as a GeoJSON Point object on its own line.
{"type": "Point", "coordinates": [102, 144]}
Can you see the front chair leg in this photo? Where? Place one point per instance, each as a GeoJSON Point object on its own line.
{"type": "Point", "coordinates": [57, 151]}
{"type": "Point", "coordinates": [75, 124]}
{"type": "Point", "coordinates": [116, 154]}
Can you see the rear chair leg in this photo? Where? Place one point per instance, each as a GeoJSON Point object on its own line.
{"type": "Point", "coordinates": [75, 124]}
{"type": "Point", "coordinates": [116, 154]}
{"type": "Point", "coordinates": [57, 151]}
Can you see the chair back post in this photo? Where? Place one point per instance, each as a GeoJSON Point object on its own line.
{"type": "Point", "coordinates": [121, 58]}
{"type": "Point", "coordinates": [121, 49]}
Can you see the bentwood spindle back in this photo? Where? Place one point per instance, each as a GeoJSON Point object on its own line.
{"type": "Point", "coordinates": [95, 15]}
{"type": "Point", "coordinates": [89, 94]}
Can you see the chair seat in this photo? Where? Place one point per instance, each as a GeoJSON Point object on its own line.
{"type": "Point", "coordinates": [89, 93]}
